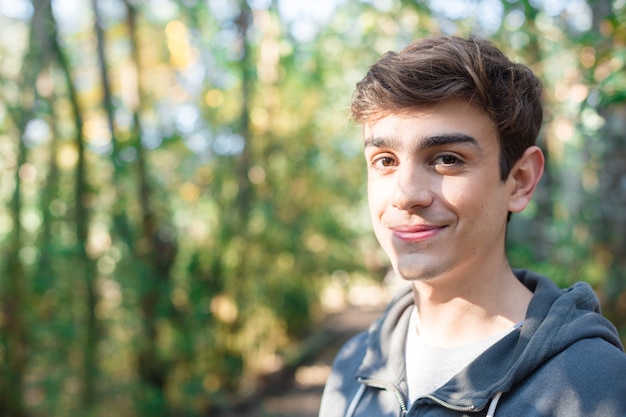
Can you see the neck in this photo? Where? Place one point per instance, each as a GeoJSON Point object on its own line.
{"type": "Point", "coordinates": [460, 311]}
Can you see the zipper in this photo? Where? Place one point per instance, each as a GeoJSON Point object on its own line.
{"type": "Point", "coordinates": [396, 392]}
{"type": "Point", "coordinates": [388, 387]}
{"type": "Point", "coordinates": [452, 406]}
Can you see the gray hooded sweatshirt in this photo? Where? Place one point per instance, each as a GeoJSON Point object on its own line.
{"type": "Point", "coordinates": [566, 360]}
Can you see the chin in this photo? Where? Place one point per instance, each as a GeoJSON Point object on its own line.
{"type": "Point", "coordinates": [412, 271]}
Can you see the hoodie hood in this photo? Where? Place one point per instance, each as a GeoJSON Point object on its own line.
{"type": "Point", "coordinates": [555, 320]}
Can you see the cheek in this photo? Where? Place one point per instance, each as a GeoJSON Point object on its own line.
{"type": "Point", "coordinates": [477, 207]}
{"type": "Point", "coordinates": [468, 192]}
{"type": "Point", "coordinates": [482, 208]}
{"type": "Point", "coordinates": [378, 198]}
{"type": "Point", "coordinates": [376, 195]}
{"type": "Point", "coordinates": [460, 193]}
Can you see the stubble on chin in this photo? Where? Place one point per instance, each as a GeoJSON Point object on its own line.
{"type": "Point", "coordinates": [414, 270]}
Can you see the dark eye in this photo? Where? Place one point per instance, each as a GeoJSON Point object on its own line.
{"type": "Point", "coordinates": [449, 159]}
{"type": "Point", "coordinates": [381, 162]}
{"type": "Point", "coordinates": [386, 161]}
{"type": "Point", "coordinates": [446, 159]}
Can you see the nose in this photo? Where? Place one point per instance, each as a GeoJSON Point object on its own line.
{"type": "Point", "coordinates": [412, 188]}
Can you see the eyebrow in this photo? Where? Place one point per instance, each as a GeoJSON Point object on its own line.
{"type": "Point", "coordinates": [424, 142]}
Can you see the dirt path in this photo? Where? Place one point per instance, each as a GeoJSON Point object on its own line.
{"type": "Point", "coordinates": [302, 393]}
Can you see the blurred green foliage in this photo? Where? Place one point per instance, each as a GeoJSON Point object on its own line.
{"type": "Point", "coordinates": [179, 182]}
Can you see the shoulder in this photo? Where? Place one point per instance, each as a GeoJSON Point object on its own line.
{"type": "Point", "coordinates": [586, 379]}
{"type": "Point", "coordinates": [591, 361]}
{"type": "Point", "coordinates": [353, 348]}
{"type": "Point", "coordinates": [366, 349]}
{"type": "Point", "coordinates": [341, 383]}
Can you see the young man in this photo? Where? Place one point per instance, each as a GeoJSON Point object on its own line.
{"type": "Point", "coordinates": [450, 126]}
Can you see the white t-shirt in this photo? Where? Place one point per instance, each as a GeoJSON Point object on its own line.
{"type": "Point", "coordinates": [430, 367]}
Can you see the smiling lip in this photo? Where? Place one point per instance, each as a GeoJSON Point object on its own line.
{"type": "Point", "coordinates": [415, 233]}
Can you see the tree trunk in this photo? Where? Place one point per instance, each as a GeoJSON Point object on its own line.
{"type": "Point", "coordinates": [85, 269]}
{"type": "Point", "coordinates": [156, 252]}
{"type": "Point", "coordinates": [610, 234]}
{"type": "Point", "coordinates": [13, 329]}
{"type": "Point", "coordinates": [243, 162]}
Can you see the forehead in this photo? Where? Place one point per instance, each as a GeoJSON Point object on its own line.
{"type": "Point", "coordinates": [452, 118]}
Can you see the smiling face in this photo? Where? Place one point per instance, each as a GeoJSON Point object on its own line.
{"type": "Point", "coordinates": [437, 203]}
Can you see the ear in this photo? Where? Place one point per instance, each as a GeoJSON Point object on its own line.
{"type": "Point", "coordinates": [524, 177]}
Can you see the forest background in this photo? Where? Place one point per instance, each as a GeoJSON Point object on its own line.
{"type": "Point", "coordinates": [180, 184]}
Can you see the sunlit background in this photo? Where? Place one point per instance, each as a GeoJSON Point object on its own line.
{"type": "Point", "coordinates": [182, 191]}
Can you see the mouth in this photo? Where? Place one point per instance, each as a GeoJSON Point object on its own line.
{"type": "Point", "coordinates": [415, 233]}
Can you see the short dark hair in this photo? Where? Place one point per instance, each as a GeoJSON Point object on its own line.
{"type": "Point", "coordinates": [432, 70]}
